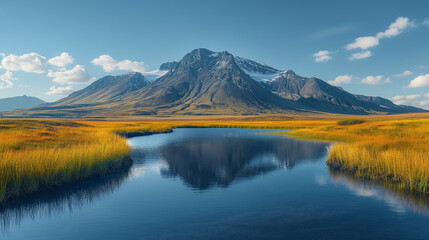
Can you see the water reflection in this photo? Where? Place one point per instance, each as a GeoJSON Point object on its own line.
{"type": "Point", "coordinates": [55, 202]}
{"type": "Point", "coordinates": [218, 161]}
{"type": "Point", "coordinates": [399, 200]}
{"type": "Point", "coordinates": [269, 207]}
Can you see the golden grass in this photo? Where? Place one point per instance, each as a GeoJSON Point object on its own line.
{"type": "Point", "coordinates": [36, 153]}
{"type": "Point", "coordinates": [388, 148]}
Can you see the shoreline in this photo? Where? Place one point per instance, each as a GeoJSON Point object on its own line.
{"type": "Point", "coordinates": [324, 130]}
{"type": "Point", "coordinates": [125, 162]}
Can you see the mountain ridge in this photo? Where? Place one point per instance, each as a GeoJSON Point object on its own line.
{"type": "Point", "coordinates": [213, 83]}
{"type": "Point", "coordinates": [19, 102]}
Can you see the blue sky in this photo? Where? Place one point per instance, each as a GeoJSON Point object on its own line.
{"type": "Point", "coordinates": [391, 38]}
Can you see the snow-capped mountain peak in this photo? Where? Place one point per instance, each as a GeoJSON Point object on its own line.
{"type": "Point", "coordinates": [257, 71]}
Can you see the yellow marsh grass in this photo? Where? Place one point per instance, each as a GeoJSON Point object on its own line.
{"type": "Point", "coordinates": [407, 167]}
{"type": "Point", "coordinates": [34, 155]}
{"type": "Point", "coordinates": [383, 147]}
{"type": "Point", "coordinates": [388, 150]}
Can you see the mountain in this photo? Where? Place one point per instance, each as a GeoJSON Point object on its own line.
{"type": "Point", "coordinates": [317, 94]}
{"type": "Point", "coordinates": [387, 103]}
{"type": "Point", "coordinates": [105, 90]}
{"type": "Point", "coordinates": [20, 102]}
{"type": "Point", "coordinates": [168, 66]}
{"type": "Point", "coordinates": [206, 83]}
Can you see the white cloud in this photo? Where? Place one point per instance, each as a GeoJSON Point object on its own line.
{"type": "Point", "coordinates": [404, 74]}
{"type": "Point", "coordinates": [341, 79]}
{"type": "Point", "coordinates": [109, 64]}
{"type": "Point", "coordinates": [61, 91]}
{"type": "Point", "coordinates": [398, 98]}
{"type": "Point", "coordinates": [31, 62]}
{"type": "Point", "coordinates": [413, 100]}
{"type": "Point", "coordinates": [426, 22]}
{"type": "Point", "coordinates": [399, 25]}
{"type": "Point", "coordinates": [363, 43]}
{"type": "Point", "coordinates": [372, 80]}
{"type": "Point", "coordinates": [322, 56]}
{"type": "Point", "coordinates": [77, 75]}
{"type": "Point", "coordinates": [424, 104]}
{"type": "Point", "coordinates": [387, 80]}
{"type": "Point", "coordinates": [6, 80]}
{"type": "Point", "coordinates": [419, 81]}
{"type": "Point", "coordinates": [61, 61]}
{"type": "Point", "coordinates": [360, 55]}
{"type": "Point", "coordinates": [413, 97]}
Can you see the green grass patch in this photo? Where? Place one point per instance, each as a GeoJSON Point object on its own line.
{"type": "Point", "coordinates": [347, 122]}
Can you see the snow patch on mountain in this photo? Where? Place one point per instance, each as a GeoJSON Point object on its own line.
{"type": "Point", "coordinates": [261, 77]}
{"type": "Point", "coordinates": [257, 71]}
{"type": "Point", "coordinates": [215, 54]}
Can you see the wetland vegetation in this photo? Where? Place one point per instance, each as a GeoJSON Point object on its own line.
{"type": "Point", "coordinates": [38, 154]}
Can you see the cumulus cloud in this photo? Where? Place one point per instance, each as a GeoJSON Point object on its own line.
{"type": "Point", "coordinates": [360, 55]}
{"type": "Point", "coordinates": [6, 80]}
{"type": "Point", "coordinates": [62, 60]}
{"type": "Point", "coordinates": [404, 74]}
{"type": "Point", "coordinates": [398, 26]}
{"type": "Point", "coordinates": [109, 64]}
{"type": "Point", "coordinates": [419, 81]}
{"type": "Point", "coordinates": [372, 80]}
{"type": "Point", "coordinates": [416, 100]}
{"type": "Point", "coordinates": [363, 43]}
{"type": "Point", "coordinates": [322, 56]}
{"type": "Point", "coordinates": [31, 62]}
{"type": "Point", "coordinates": [61, 91]}
{"type": "Point", "coordinates": [77, 75]}
{"type": "Point", "coordinates": [341, 79]}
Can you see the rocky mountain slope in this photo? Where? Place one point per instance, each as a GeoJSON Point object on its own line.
{"type": "Point", "coordinates": [205, 83]}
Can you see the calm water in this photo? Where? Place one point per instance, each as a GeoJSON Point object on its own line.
{"type": "Point", "coordinates": [221, 184]}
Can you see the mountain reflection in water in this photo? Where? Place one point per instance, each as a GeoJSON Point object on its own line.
{"type": "Point", "coordinates": [189, 168]}
{"type": "Point", "coordinates": [218, 161]}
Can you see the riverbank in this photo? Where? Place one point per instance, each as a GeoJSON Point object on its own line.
{"type": "Point", "coordinates": [390, 151]}
{"type": "Point", "coordinates": [39, 154]}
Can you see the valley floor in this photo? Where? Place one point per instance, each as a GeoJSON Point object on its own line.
{"type": "Point", "coordinates": [38, 154]}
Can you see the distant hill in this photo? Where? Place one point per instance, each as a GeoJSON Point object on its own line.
{"type": "Point", "coordinates": [20, 102]}
{"type": "Point", "coordinates": [105, 90]}
{"type": "Point", "coordinates": [212, 83]}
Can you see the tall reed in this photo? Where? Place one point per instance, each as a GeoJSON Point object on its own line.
{"type": "Point", "coordinates": [28, 163]}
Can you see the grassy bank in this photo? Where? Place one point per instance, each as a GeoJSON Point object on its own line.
{"type": "Point", "coordinates": [42, 154]}
{"type": "Point", "coordinates": [383, 150]}
{"type": "Point", "coordinates": [37, 154]}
